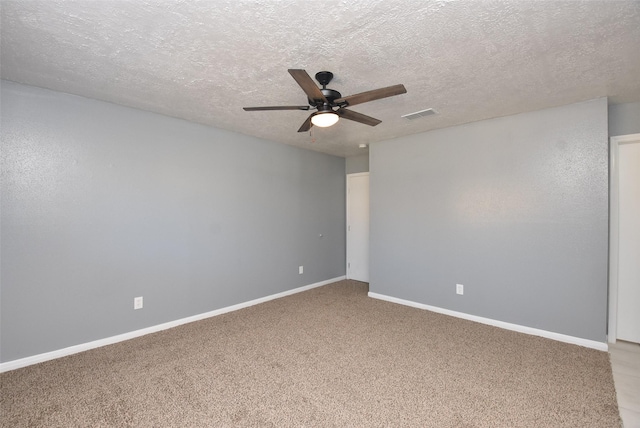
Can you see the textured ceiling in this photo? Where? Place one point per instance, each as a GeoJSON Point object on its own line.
{"type": "Point", "coordinates": [204, 61]}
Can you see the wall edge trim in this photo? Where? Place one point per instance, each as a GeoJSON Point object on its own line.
{"type": "Point", "coordinates": [75, 349]}
{"type": "Point", "coordinates": [600, 346]}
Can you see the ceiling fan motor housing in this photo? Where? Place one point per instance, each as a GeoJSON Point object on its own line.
{"type": "Point", "coordinates": [329, 94]}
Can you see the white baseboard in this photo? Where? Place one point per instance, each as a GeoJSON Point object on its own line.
{"type": "Point", "coordinates": [601, 346]}
{"type": "Point", "coordinates": [35, 359]}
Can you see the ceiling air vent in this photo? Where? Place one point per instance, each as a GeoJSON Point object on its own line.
{"type": "Point", "coordinates": [421, 113]}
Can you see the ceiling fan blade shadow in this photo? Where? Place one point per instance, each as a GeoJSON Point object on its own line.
{"type": "Point", "coordinates": [375, 94]}
{"type": "Point", "coordinates": [358, 117]}
{"type": "Point", "coordinates": [276, 108]}
{"type": "Point", "coordinates": [308, 85]}
{"type": "Point", "coordinates": [306, 125]}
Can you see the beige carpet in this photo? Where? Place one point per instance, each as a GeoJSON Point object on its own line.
{"type": "Point", "coordinates": [328, 357]}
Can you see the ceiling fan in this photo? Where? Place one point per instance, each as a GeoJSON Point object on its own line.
{"type": "Point", "coordinates": [331, 105]}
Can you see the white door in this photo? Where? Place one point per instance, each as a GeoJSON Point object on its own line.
{"type": "Point", "coordinates": [629, 242]}
{"type": "Point", "coordinates": [358, 226]}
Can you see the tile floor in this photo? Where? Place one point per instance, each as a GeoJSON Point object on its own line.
{"type": "Point", "coordinates": [625, 363]}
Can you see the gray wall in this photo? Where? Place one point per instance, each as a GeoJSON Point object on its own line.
{"type": "Point", "coordinates": [102, 203]}
{"type": "Point", "coordinates": [355, 164]}
{"type": "Point", "coordinates": [513, 208]}
{"type": "Point", "coordinates": [624, 119]}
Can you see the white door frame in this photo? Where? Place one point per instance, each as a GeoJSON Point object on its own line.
{"type": "Point", "coordinates": [357, 174]}
{"type": "Point", "coordinates": [614, 229]}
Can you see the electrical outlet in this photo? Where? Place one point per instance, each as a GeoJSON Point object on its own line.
{"type": "Point", "coordinates": [137, 302]}
{"type": "Point", "coordinates": [459, 289]}
{"type": "Point", "coordinates": [300, 270]}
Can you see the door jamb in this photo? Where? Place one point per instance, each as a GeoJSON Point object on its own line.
{"type": "Point", "coordinates": [614, 143]}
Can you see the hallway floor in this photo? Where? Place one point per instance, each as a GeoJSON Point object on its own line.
{"type": "Point", "coordinates": [625, 363]}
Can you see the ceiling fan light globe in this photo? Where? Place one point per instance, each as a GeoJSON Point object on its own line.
{"type": "Point", "coordinates": [324, 120]}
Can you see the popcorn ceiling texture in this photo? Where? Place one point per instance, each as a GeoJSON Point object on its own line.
{"type": "Point", "coordinates": [204, 61]}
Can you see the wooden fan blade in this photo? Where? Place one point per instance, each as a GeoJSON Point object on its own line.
{"type": "Point", "coordinates": [308, 85]}
{"type": "Point", "coordinates": [358, 117]}
{"type": "Point", "coordinates": [376, 94]}
{"type": "Point", "coordinates": [276, 108]}
{"type": "Point", "coordinates": [306, 125]}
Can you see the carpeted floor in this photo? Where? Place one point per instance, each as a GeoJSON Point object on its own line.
{"type": "Point", "coordinates": [328, 357]}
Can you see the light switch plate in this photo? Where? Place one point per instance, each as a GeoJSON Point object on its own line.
{"type": "Point", "coordinates": [137, 302]}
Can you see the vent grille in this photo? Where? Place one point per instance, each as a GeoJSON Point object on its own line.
{"type": "Point", "coordinates": [421, 113]}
